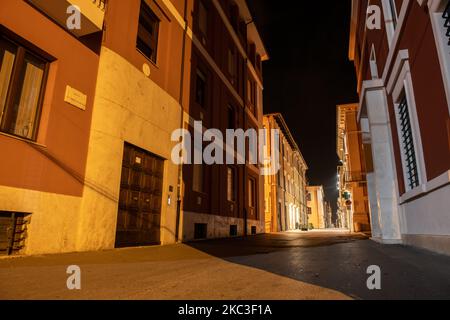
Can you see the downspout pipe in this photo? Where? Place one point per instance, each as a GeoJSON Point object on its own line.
{"type": "Point", "coordinates": [245, 72]}
{"type": "Point", "coordinates": [244, 123]}
{"type": "Point", "coordinates": [181, 95]}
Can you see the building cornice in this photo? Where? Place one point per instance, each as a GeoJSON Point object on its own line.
{"type": "Point", "coordinates": [278, 117]}
{"type": "Point", "coordinates": [368, 85]}
{"type": "Point", "coordinates": [353, 29]}
{"type": "Point", "coordinates": [340, 126]}
{"type": "Point", "coordinates": [251, 29]}
{"type": "Point", "coordinates": [395, 40]}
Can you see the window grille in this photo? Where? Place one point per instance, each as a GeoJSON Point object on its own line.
{"type": "Point", "coordinates": [446, 17]}
{"type": "Point", "coordinates": [408, 145]}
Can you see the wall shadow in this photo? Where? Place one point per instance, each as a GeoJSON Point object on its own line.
{"type": "Point", "coordinates": [339, 262]}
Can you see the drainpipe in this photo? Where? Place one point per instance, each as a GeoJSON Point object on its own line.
{"type": "Point", "coordinates": [245, 72]}
{"type": "Point", "coordinates": [180, 167]}
{"type": "Point", "coordinates": [244, 127]}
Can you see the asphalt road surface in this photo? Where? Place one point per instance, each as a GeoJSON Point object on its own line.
{"type": "Point", "coordinates": [313, 265]}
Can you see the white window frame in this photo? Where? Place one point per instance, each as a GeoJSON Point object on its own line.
{"type": "Point", "coordinates": [373, 63]}
{"type": "Point", "coordinates": [401, 82]}
{"type": "Point", "coordinates": [389, 19]}
{"type": "Point", "coordinates": [435, 7]}
{"type": "Point", "coordinates": [393, 7]}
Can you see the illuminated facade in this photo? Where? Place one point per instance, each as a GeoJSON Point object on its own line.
{"type": "Point", "coordinates": [317, 211]}
{"type": "Point", "coordinates": [329, 223]}
{"type": "Point", "coordinates": [89, 163]}
{"type": "Point", "coordinates": [285, 192]}
{"type": "Point", "coordinates": [44, 137]}
{"type": "Point", "coordinates": [226, 92]}
{"type": "Point", "coordinates": [353, 199]}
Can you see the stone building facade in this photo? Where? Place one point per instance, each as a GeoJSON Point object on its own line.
{"type": "Point", "coordinates": [404, 107]}
{"type": "Point", "coordinates": [88, 162]}
{"type": "Point", "coordinates": [285, 192]}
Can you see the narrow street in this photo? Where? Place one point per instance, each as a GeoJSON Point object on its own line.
{"type": "Point", "coordinates": [226, 150]}
{"type": "Point", "coordinates": [314, 265]}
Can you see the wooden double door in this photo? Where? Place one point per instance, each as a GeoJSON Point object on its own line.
{"type": "Point", "coordinates": [140, 201]}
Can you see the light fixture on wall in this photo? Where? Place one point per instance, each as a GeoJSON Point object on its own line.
{"type": "Point", "coordinates": [146, 69]}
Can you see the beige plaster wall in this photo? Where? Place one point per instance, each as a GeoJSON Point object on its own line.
{"type": "Point", "coordinates": [53, 223]}
{"type": "Point", "coordinates": [218, 226]}
{"type": "Point", "coordinates": [128, 107]}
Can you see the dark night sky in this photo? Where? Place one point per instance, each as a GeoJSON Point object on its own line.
{"type": "Point", "coordinates": [308, 74]}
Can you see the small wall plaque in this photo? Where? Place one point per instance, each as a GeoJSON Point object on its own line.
{"type": "Point", "coordinates": [75, 98]}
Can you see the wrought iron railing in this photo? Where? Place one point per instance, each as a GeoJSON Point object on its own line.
{"type": "Point", "coordinates": [355, 176]}
{"type": "Point", "coordinates": [446, 16]}
{"type": "Point", "coordinates": [100, 3]}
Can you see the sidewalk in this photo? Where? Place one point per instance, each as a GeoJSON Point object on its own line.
{"type": "Point", "coordinates": [292, 265]}
{"type": "Point", "coordinates": [169, 272]}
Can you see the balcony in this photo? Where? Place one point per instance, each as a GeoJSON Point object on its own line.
{"type": "Point", "coordinates": [355, 176]}
{"type": "Point", "coordinates": [91, 19]}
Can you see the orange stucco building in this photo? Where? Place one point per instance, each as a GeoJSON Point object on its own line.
{"type": "Point", "coordinates": [353, 198]}
{"type": "Point", "coordinates": [89, 102]}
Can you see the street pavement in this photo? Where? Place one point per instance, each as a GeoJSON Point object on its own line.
{"type": "Point", "coordinates": [297, 265]}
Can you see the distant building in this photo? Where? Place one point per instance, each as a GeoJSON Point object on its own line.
{"type": "Point", "coordinates": [316, 203]}
{"type": "Point", "coordinates": [353, 199]}
{"type": "Point", "coordinates": [403, 80]}
{"type": "Point", "coordinates": [226, 92]}
{"type": "Point", "coordinates": [285, 192]}
{"type": "Point", "coordinates": [328, 215]}
{"type": "Point", "coordinates": [340, 222]}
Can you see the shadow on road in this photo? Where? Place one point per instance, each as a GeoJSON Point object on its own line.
{"type": "Point", "coordinates": [339, 261]}
{"type": "Point", "coordinates": [268, 243]}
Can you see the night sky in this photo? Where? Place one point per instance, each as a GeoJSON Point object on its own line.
{"type": "Point", "coordinates": [308, 74]}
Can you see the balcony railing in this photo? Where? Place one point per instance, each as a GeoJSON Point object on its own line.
{"type": "Point", "coordinates": [100, 4]}
{"type": "Point", "coordinates": [355, 176]}
{"type": "Point", "coordinates": [92, 14]}
{"type": "Point", "coordinates": [446, 17]}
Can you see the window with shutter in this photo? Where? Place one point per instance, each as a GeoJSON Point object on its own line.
{"type": "Point", "coordinates": [148, 30]}
{"type": "Point", "coordinates": [22, 84]}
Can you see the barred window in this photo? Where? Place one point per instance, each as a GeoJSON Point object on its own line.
{"type": "Point", "coordinates": [409, 151]}
{"type": "Point", "coordinates": [446, 17]}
